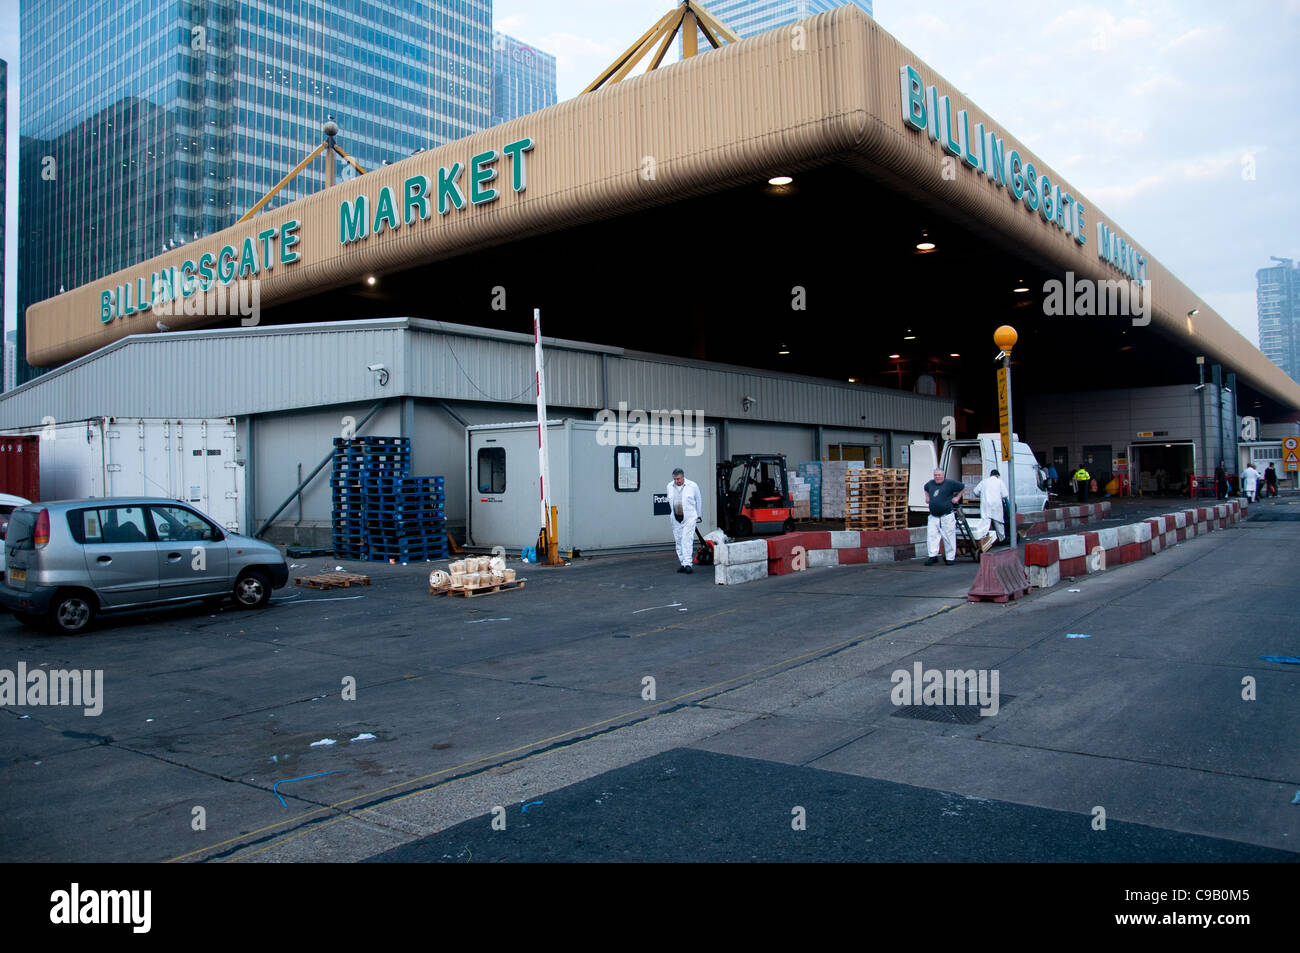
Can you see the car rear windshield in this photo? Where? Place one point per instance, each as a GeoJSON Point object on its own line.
{"type": "Point", "coordinates": [22, 525]}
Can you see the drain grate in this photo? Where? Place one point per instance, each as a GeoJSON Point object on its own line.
{"type": "Point", "coordinates": [949, 714]}
{"type": "Point", "coordinates": [1275, 516]}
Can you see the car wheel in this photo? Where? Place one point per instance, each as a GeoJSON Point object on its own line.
{"type": "Point", "coordinates": [253, 589]}
{"type": "Point", "coordinates": [72, 613]}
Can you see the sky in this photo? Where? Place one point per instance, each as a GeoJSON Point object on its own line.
{"type": "Point", "coordinates": [1176, 119]}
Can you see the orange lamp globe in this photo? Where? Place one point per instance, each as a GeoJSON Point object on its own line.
{"type": "Point", "coordinates": [1005, 337]}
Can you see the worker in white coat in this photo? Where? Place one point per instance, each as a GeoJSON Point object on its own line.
{"type": "Point", "coordinates": [685, 509]}
{"type": "Point", "coordinates": [991, 492]}
{"type": "Point", "coordinates": [1250, 481]}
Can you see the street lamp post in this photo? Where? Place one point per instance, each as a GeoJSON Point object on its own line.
{"type": "Point", "coordinates": [1005, 338]}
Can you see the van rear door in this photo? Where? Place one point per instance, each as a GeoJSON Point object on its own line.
{"type": "Point", "coordinates": [923, 460]}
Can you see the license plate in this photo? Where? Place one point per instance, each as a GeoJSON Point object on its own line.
{"type": "Point", "coordinates": [18, 575]}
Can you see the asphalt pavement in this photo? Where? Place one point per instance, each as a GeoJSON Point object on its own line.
{"type": "Point", "coordinates": [705, 713]}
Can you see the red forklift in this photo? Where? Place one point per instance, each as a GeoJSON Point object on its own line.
{"type": "Point", "coordinates": [754, 496]}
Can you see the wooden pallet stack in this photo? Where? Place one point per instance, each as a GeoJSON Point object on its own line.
{"type": "Point", "coordinates": [875, 499]}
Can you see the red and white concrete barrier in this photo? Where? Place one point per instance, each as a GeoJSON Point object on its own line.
{"type": "Point", "coordinates": [1050, 560]}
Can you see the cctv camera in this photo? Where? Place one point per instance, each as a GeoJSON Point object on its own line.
{"type": "Point", "coordinates": [381, 371]}
{"type": "Point", "coordinates": [374, 367]}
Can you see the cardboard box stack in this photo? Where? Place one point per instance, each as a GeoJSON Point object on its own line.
{"type": "Point", "coordinates": [800, 496]}
{"type": "Point", "coordinates": [812, 475]}
{"type": "Point", "coordinates": [972, 471]}
{"type": "Point", "coordinates": [833, 486]}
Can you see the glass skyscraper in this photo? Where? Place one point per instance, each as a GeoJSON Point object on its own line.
{"type": "Point", "coordinates": [747, 18]}
{"type": "Point", "coordinates": [8, 380]}
{"type": "Point", "coordinates": [1278, 297]}
{"type": "Point", "coordinates": [523, 78]}
{"type": "Point", "coordinates": [147, 123]}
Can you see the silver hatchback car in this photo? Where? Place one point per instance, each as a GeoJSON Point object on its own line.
{"type": "Point", "coordinates": [71, 560]}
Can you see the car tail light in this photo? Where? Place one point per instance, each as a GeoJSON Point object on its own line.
{"type": "Point", "coordinates": [41, 535]}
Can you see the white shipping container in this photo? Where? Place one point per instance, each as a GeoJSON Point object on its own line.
{"type": "Point", "coordinates": [195, 461]}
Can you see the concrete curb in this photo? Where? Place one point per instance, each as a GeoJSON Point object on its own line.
{"type": "Point", "coordinates": [1050, 560]}
{"type": "Point", "coordinates": [1047, 561]}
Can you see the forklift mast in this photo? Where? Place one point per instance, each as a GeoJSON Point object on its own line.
{"type": "Point", "coordinates": [754, 495]}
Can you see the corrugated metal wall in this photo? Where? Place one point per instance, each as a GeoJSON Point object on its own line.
{"type": "Point", "coordinates": [1116, 417]}
{"type": "Point", "coordinates": [237, 372]}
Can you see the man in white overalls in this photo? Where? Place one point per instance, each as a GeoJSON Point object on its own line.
{"type": "Point", "coordinates": [686, 508]}
{"type": "Point", "coordinates": [992, 492]}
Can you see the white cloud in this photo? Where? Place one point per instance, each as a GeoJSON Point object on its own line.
{"type": "Point", "coordinates": [512, 23]}
{"type": "Point", "coordinates": [1197, 37]}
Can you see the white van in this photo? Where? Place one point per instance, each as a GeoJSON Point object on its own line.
{"type": "Point", "coordinates": [969, 461]}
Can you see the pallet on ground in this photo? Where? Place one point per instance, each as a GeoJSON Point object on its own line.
{"type": "Point", "coordinates": [469, 593]}
{"type": "Point", "coordinates": [332, 580]}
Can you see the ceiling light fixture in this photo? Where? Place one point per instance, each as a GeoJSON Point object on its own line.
{"type": "Point", "coordinates": [894, 357]}
{"type": "Point", "coordinates": [370, 280]}
{"type": "Point", "coordinates": [925, 244]}
{"type": "Point", "coordinates": [1021, 287]}
{"type": "Point", "coordinates": [780, 180]}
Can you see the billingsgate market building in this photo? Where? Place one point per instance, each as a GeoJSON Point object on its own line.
{"type": "Point", "coordinates": [809, 236]}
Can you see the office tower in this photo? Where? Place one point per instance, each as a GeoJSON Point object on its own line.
{"type": "Point", "coordinates": [11, 356]}
{"type": "Point", "coordinates": [8, 381]}
{"type": "Point", "coordinates": [1278, 297]}
{"type": "Point", "coordinates": [145, 125]}
{"type": "Point", "coordinates": [523, 78]}
{"type": "Point", "coordinates": [747, 18]}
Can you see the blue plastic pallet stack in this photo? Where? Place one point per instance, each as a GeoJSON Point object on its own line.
{"type": "Point", "coordinates": [356, 460]}
{"type": "Point", "coordinates": [381, 512]}
{"type": "Point", "coordinates": [406, 517]}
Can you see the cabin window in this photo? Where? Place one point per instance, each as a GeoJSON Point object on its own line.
{"type": "Point", "coordinates": [627, 469]}
{"type": "Point", "coordinates": [492, 469]}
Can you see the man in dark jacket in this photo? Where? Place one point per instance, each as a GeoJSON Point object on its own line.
{"type": "Point", "coordinates": [1220, 482]}
{"type": "Point", "coordinates": [1270, 480]}
{"type": "Point", "coordinates": [942, 495]}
